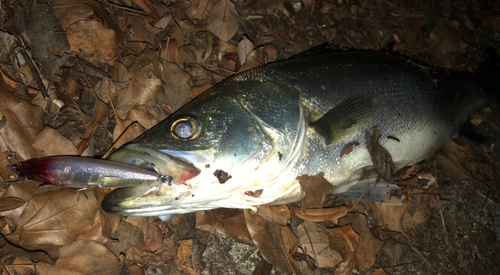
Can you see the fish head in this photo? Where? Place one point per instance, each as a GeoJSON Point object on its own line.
{"type": "Point", "coordinates": [216, 148]}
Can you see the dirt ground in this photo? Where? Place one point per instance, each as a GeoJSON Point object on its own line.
{"type": "Point", "coordinates": [83, 77]}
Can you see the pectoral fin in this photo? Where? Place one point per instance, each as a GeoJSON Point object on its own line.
{"type": "Point", "coordinates": [347, 119]}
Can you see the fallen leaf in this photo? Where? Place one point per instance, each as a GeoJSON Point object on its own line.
{"type": "Point", "coordinates": [316, 188]}
{"type": "Point", "coordinates": [344, 240]}
{"type": "Point", "coordinates": [49, 142]}
{"type": "Point", "coordinates": [279, 214]}
{"type": "Point", "coordinates": [24, 121]}
{"type": "Point", "coordinates": [315, 241]}
{"type": "Point", "coordinates": [184, 251]}
{"type": "Point", "coordinates": [154, 237]}
{"type": "Point", "coordinates": [320, 215]}
{"type": "Point", "coordinates": [178, 89]}
{"type": "Point", "coordinates": [223, 21]}
{"type": "Point", "coordinates": [368, 246]}
{"type": "Point", "coordinates": [147, 6]}
{"type": "Point", "coordinates": [21, 265]}
{"type": "Point", "coordinates": [56, 218]}
{"type": "Point", "coordinates": [274, 242]}
{"type": "Point", "coordinates": [23, 190]}
{"type": "Point", "coordinates": [381, 158]}
{"type": "Point", "coordinates": [245, 47]}
{"type": "Point", "coordinates": [229, 222]}
{"type": "Point", "coordinates": [83, 257]}
{"type": "Point", "coordinates": [9, 203]}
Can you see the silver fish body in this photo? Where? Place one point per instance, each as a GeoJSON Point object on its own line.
{"type": "Point", "coordinates": [257, 131]}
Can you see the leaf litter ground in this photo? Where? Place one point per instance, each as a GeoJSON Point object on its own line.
{"type": "Point", "coordinates": [83, 77]}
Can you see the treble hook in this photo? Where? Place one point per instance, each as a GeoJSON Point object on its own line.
{"type": "Point", "coordinates": [11, 157]}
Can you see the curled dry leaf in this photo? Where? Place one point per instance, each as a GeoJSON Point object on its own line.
{"type": "Point", "coordinates": [314, 240]}
{"type": "Point", "coordinates": [10, 203]}
{"type": "Point", "coordinates": [83, 257]}
{"type": "Point", "coordinates": [368, 246]}
{"type": "Point", "coordinates": [274, 242]}
{"type": "Point", "coordinates": [56, 218]}
{"type": "Point", "coordinates": [315, 189]}
{"type": "Point", "coordinates": [381, 158]}
{"type": "Point", "coordinates": [23, 190]}
{"type": "Point", "coordinates": [49, 142]}
{"type": "Point", "coordinates": [344, 240]}
{"type": "Point", "coordinates": [320, 215]}
{"type": "Point", "coordinates": [348, 148]}
{"type": "Point", "coordinates": [184, 251]}
{"type": "Point", "coordinates": [223, 20]}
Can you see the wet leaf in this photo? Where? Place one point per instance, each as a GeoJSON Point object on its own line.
{"type": "Point", "coordinates": [223, 21]}
{"type": "Point", "coordinates": [57, 217]}
{"type": "Point", "coordinates": [184, 251]}
{"type": "Point", "coordinates": [315, 189]}
{"type": "Point", "coordinates": [348, 148]}
{"type": "Point", "coordinates": [83, 257]}
{"type": "Point", "coordinates": [49, 142]}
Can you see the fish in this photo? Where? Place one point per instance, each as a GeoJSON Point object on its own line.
{"type": "Point", "coordinates": [244, 142]}
{"type": "Point", "coordinates": [82, 172]}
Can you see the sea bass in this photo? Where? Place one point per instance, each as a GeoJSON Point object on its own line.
{"type": "Point", "coordinates": [244, 142]}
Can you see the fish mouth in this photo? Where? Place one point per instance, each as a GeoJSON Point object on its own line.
{"type": "Point", "coordinates": [187, 192]}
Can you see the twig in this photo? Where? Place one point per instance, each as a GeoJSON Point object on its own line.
{"type": "Point", "coordinates": [36, 72]}
{"type": "Point", "coordinates": [79, 110]}
{"type": "Point", "coordinates": [123, 7]}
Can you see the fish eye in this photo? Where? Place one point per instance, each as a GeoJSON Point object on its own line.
{"type": "Point", "coordinates": [185, 128]}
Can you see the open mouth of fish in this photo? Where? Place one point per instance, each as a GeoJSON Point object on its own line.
{"type": "Point", "coordinates": [195, 186]}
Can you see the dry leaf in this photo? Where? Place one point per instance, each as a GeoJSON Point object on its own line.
{"type": "Point", "coordinates": [24, 121]}
{"type": "Point", "coordinates": [56, 218]}
{"type": "Point", "coordinates": [154, 236]}
{"type": "Point", "coordinates": [315, 241]}
{"type": "Point", "coordinates": [279, 214]}
{"type": "Point", "coordinates": [368, 246]}
{"type": "Point", "coordinates": [23, 190]}
{"type": "Point", "coordinates": [223, 21]}
{"type": "Point", "coordinates": [178, 89]}
{"type": "Point", "coordinates": [21, 265]}
{"type": "Point", "coordinates": [147, 6]}
{"type": "Point", "coordinates": [49, 142]}
{"type": "Point", "coordinates": [320, 215]}
{"type": "Point", "coordinates": [9, 203]}
{"type": "Point", "coordinates": [229, 222]}
{"type": "Point", "coordinates": [274, 242]}
{"type": "Point", "coordinates": [83, 257]}
{"type": "Point", "coordinates": [316, 188]}
{"type": "Point", "coordinates": [184, 251]}
{"type": "Point", "coordinates": [381, 158]}
{"type": "Point", "coordinates": [348, 148]}
{"type": "Point", "coordinates": [245, 47]}
{"type": "Point", "coordinates": [344, 240]}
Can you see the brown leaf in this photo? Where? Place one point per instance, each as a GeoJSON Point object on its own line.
{"type": "Point", "coordinates": [23, 190]}
{"type": "Point", "coordinates": [57, 217]}
{"type": "Point", "coordinates": [154, 236]}
{"type": "Point", "coordinates": [348, 148]}
{"type": "Point", "coordinates": [279, 214]}
{"type": "Point", "coordinates": [316, 189]}
{"type": "Point", "coordinates": [10, 203]}
{"type": "Point", "coordinates": [169, 50]}
{"type": "Point", "coordinates": [245, 47]}
{"type": "Point", "coordinates": [67, 88]}
{"type": "Point", "coordinates": [344, 240]}
{"type": "Point", "coordinates": [96, 232]}
{"type": "Point", "coordinates": [134, 269]}
{"type": "Point", "coordinates": [49, 142]}
{"type": "Point", "coordinates": [83, 257]}
{"type": "Point", "coordinates": [320, 215]}
{"type": "Point", "coordinates": [178, 89]}
{"type": "Point", "coordinates": [223, 21]}
{"type": "Point", "coordinates": [21, 265]}
{"type": "Point", "coordinates": [184, 251]}
{"type": "Point", "coordinates": [274, 242]}
{"type": "Point", "coordinates": [24, 121]}
{"type": "Point", "coordinates": [381, 158]}
{"type": "Point", "coordinates": [140, 114]}
{"type": "Point", "coordinates": [314, 240]}
{"type": "Point", "coordinates": [147, 6]}
{"type": "Point", "coordinates": [229, 222]}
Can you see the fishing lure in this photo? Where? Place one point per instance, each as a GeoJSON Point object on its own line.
{"type": "Point", "coordinates": [82, 172]}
